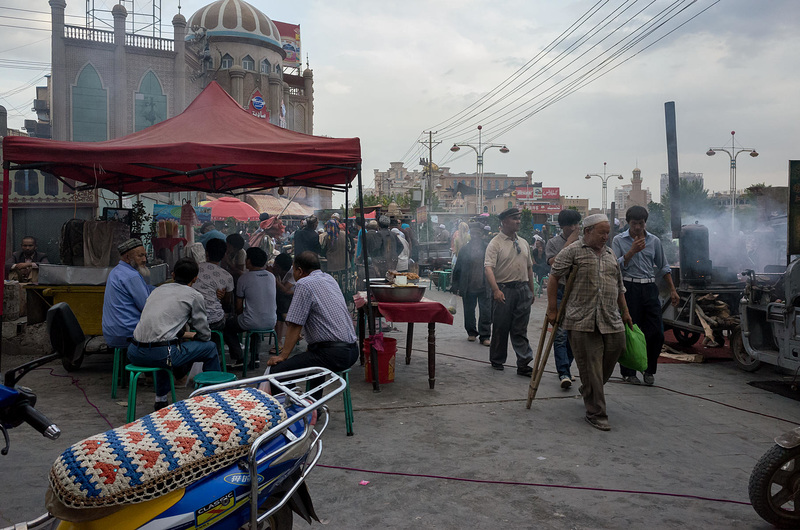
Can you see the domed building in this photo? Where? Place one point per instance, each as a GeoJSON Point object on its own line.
{"type": "Point", "coordinates": [109, 83]}
{"type": "Point", "coordinates": [110, 79]}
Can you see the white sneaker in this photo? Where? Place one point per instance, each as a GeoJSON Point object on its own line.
{"type": "Point", "coordinates": [566, 382]}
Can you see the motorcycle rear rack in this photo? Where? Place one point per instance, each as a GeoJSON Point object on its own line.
{"type": "Point", "coordinates": [289, 384]}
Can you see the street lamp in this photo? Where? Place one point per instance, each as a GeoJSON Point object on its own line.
{"type": "Point", "coordinates": [604, 178]}
{"type": "Point", "coordinates": [732, 153]}
{"type": "Point", "coordinates": [479, 150]}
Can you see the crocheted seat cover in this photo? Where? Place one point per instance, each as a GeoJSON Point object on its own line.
{"type": "Point", "coordinates": [165, 450]}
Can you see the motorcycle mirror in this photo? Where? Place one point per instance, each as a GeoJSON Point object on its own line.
{"type": "Point", "coordinates": [66, 335]}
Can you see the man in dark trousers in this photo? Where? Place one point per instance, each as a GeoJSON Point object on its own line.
{"type": "Point", "coordinates": [318, 307]}
{"type": "Point", "coordinates": [641, 259]}
{"type": "Point", "coordinates": [469, 281]}
{"type": "Point", "coordinates": [569, 221]}
{"type": "Point", "coordinates": [307, 237]}
{"type": "Point", "coordinates": [509, 272]}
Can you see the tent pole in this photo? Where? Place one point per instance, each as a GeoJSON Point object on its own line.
{"type": "Point", "coordinates": [373, 353]}
{"type": "Point", "coordinates": [3, 240]}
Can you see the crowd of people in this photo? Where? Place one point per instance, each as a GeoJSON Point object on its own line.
{"type": "Point", "coordinates": [232, 285]}
{"type": "Point", "coordinates": [613, 286]}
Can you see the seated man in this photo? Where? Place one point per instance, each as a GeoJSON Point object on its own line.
{"type": "Point", "coordinates": [255, 302]}
{"type": "Point", "coordinates": [157, 338]}
{"type": "Point", "coordinates": [215, 284]}
{"type": "Point", "coordinates": [22, 264]}
{"type": "Point", "coordinates": [235, 256]}
{"type": "Point", "coordinates": [125, 295]}
{"type": "Point", "coordinates": [318, 306]}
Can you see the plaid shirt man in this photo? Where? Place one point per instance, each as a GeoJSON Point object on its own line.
{"type": "Point", "coordinates": [593, 300]}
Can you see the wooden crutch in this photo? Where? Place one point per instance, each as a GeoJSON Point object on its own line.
{"type": "Point", "coordinates": [542, 354]}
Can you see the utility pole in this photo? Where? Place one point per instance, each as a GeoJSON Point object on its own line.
{"type": "Point", "coordinates": [429, 183]}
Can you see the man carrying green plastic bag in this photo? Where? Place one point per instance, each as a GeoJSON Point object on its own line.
{"type": "Point", "coordinates": [635, 354]}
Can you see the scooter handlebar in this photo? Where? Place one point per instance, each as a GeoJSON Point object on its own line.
{"type": "Point", "coordinates": [39, 421]}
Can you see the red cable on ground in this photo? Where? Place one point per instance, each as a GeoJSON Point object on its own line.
{"type": "Point", "coordinates": [76, 383]}
{"type": "Point", "coordinates": [740, 409]}
{"type": "Point", "coordinates": [534, 484]}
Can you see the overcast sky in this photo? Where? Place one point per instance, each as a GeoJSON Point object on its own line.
{"type": "Point", "coordinates": [387, 71]}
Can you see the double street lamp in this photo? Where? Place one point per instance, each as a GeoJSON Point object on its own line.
{"type": "Point", "coordinates": [732, 153]}
{"type": "Point", "coordinates": [604, 178]}
{"type": "Point", "coordinates": [479, 150]}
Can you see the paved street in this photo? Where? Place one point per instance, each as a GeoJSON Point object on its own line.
{"type": "Point", "coordinates": [469, 454]}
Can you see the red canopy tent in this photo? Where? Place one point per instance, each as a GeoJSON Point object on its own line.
{"type": "Point", "coordinates": [213, 146]}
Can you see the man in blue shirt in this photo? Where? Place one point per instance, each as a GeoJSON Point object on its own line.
{"type": "Point", "coordinates": [209, 231]}
{"type": "Point", "coordinates": [125, 295]}
{"type": "Point", "coordinates": [641, 259]}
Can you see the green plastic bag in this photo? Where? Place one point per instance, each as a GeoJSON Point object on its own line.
{"type": "Point", "coordinates": [635, 356]}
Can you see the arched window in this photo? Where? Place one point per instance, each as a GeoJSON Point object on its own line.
{"type": "Point", "coordinates": [497, 184]}
{"type": "Point", "coordinates": [89, 107]}
{"type": "Point", "coordinates": [150, 105]}
{"type": "Point", "coordinates": [509, 205]}
{"type": "Point", "coordinates": [248, 63]}
{"type": "Point", "coordinates": [472, 183]}
{"type": "Point", "coordinates": [485, 209]}
{"type": "Point", "coordinates": [227, 62]}
{"type": "Point", "coordinates": [265, 66]}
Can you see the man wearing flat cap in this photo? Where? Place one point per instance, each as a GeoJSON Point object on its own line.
{"type": "Point", "coordinates": [509, 271]}
{"type": "Point", "coordinates": [596, 312]}
{"type": "Point", "coordinates": [125, 295]}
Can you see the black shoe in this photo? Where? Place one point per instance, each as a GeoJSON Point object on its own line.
{"type": "Point", "coordinates": [160, 405]}
{"type": "Point", "coordinates": [498, 366]}
{"type": "Point", "coordinates": [525, 371]}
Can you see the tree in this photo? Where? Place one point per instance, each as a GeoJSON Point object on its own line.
{"type": "Point", "coordinates": [526, 227]}
{"type": "Point", "coordinates": [694, 201]}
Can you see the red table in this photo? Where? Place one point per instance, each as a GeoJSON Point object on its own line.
{"type": "Point", "coordinates": [426, 310]}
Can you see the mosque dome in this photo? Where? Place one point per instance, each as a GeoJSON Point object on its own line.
{"type": "Point", "coordinates": [236, 18]}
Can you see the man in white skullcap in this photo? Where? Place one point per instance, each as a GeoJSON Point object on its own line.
{"type": "Point", "coordinates": [596, 312]}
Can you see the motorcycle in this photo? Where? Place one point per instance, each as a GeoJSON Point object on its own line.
{"type": "Point", "coordinates": [260, 486]}
{"type": "Point", "coordinates": [774, 485]}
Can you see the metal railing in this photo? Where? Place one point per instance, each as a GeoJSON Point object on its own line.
{"type": "Point", "coordinates": [90, 34]}
{"type": "Point", "coordinates": [151, 43]}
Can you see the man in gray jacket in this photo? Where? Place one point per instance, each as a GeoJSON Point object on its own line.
{"type": "Point", "coordinates": [159, 339]}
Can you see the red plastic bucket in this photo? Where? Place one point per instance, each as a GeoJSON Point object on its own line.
{"type": "Point", "coordinates": [385, 361]}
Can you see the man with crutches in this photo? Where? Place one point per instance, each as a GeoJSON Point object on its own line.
{"type": "Point", "coordinates": [595, 314]}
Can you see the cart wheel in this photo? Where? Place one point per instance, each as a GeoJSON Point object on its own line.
{"type": "Point", "coordinates": [775, 484]}
{"type": "Point", "coordinates": [743, 359]}
{"type": "Point", "coordinates": [685, 338]}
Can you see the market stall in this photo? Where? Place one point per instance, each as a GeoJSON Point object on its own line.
{"type": "Point", "coordinates": [214, 146]}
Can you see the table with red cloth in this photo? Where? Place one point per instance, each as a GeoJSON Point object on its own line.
{"type": "Point", "coordinates": [426, 310]}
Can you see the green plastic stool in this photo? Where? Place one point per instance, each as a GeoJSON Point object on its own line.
{"type": "Point", "coordinates": [214, 377]}
{"type": "Point", "coordinates": [136, 371]}
{"type": "Point", "coordinates": [248, 345]}
{"type": "Point", "coordinates": [116, 371]}
{"type": "Point", "coordinates": [347, 398]}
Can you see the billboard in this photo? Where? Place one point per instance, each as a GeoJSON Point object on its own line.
{"type": "Point", "coordinates": [162, 212]}
{"type": "Point", "coordinates": [536, 193]}
{"type": "Point", "coordinates": [543, 208]}
{"type": "Point", "coordinates": [290, 42]}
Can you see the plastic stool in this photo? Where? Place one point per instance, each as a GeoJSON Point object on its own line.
{"type": "Point", "coordinates": [212, 378]}
{"type": "Point", "coordinates": [346, 397]}
{"type": "Point", "coordinates": [248, 346]}
{"type": "Point", "coordinates": [116, 371]}
{"type": "Point", "coordinates": [136, 371]}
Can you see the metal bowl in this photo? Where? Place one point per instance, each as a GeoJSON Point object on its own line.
{"type": "Point", "coordinates": [389, 293]}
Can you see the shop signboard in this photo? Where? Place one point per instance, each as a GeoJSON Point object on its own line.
{"type": "Point", "coordinates": [544, 208]}
{"type": "Point", "coordinates": [172, 212]}
{"type": "Point", "coordinates": [793, 224]}
{"type": "Point", "coordinates": [290, 42]}
{"type": "Point", "coordinates": [257, 106]}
